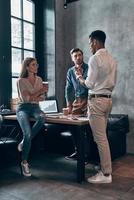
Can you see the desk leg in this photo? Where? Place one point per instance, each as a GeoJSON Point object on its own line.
{"type": "Point", "coordinates": [81, 154]}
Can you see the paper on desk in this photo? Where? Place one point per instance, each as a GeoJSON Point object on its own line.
{"type": "Point", "coordinates": [69, 117]}
{"type": "Point", "coordinates": [83, 118]}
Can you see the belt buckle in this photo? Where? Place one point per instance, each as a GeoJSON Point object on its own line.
{"type": "Point", "coordinates": [96, 96]}
{"type": "Point", "coordinates": [90, 97]}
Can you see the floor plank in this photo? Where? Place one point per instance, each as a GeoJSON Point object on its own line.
{"type": "Point", "coordinates": [54, 178]}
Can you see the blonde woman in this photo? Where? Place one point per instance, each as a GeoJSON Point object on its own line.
{"type": "Point", "coordinates": [30, 92]}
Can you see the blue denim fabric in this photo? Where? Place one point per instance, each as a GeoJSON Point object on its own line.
{"type": "Point", "coordinates": [73, 87]}
{"type": "Point", "coordinates": [24, 112]}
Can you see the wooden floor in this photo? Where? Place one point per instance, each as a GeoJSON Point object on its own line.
{"type": "Point", "coordinates": [54, 178]}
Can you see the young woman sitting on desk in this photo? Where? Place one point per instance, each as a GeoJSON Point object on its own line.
{"type": "Point", "coordinates": [30, 92]}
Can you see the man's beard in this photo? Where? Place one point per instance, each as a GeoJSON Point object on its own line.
{"type": "Point", "coordinates": [79, 63]}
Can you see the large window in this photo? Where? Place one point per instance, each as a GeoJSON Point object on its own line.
{"type": "Point", "coordinates": [50, 44]}
{"type": "Point", "coordinates": [22, 36]}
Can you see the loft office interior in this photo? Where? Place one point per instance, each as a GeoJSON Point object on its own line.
{"type": "Point", "coordinates": [48, 29]}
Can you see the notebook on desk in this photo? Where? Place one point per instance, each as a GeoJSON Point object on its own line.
{"type": "Point", "coordinates": [49, 107]}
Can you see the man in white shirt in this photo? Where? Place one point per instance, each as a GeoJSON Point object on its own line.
{"type": "Point", "coordinates": [100, 81]}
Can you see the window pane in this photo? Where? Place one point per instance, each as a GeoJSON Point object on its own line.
{"type": "Point", "coordinates": [14, 88]}
{"type": "Point", "coordinates": [29, 31]}
{"type": "Point", "coordinates": [16, 61]}
{"type": "Point", "coordinates": [28, 10]}
{"type": "Point", "coordinates": [15, 8]}
{"type": "Point", "coordinates": [16, 32]}
{"type": "Point", "coordinates": [50, 41]}
{"type": "Point", "coordinates": [29, 54]}
{"type": "Point", "coordinates": [49, 16]}
{"type": "Point", "coordinates": [51, 74]}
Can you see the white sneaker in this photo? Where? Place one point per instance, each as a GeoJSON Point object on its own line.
{"type": "Point", "coordinates": [20, 146]}
{"type": "Point", "coordinates": [100, 178]}
{"type": "Point", "coordinates": [25, 169]}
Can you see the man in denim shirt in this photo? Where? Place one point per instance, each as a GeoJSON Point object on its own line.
{"type": "Point", "coordinates": [76, 94]}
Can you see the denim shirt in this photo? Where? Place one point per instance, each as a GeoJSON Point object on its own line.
{"type": "Point", "coordinates": [73, 88]}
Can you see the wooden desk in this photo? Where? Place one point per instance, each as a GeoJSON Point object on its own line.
{"type": "Point", "coordinates": [80, 124]}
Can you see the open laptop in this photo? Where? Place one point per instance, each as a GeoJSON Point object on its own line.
{"type": "Point", "coordinates": [49, 107]}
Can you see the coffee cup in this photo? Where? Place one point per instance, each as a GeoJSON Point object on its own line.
{"type": "Point", "coordinates": [45, 83]}
{"type": "Point", "coordinates": [65, 111]}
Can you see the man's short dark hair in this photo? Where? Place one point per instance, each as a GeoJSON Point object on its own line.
{"type": "Point", "coordinates": [75, 50]}
{"type": "Point", "coordinates": [98, 35]}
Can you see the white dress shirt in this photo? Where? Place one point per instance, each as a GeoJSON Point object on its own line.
{"type": "Point", "coordinates": [102, 73]}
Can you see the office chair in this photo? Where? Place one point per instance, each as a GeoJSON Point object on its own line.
{"type": "Point", "coordinates": [9, 139]}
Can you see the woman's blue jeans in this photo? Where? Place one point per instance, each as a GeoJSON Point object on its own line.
{"type": "Point", "coordinates": [24, 112]}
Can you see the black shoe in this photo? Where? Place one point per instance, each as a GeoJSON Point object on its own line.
{"type": "Point", "coordinates": [73, 156]}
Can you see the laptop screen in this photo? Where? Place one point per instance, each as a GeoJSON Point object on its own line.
{"type": "Point", "coordinates": [49, 106]}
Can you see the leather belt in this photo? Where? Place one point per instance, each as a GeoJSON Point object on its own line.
{"type": "Point", "coordinates": [99, 95]}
